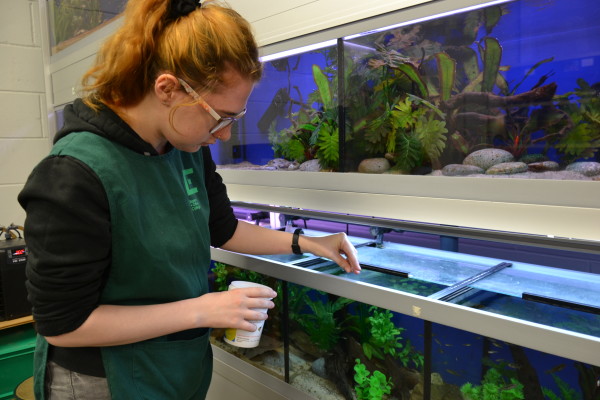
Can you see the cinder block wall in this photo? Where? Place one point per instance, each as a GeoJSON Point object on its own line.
{"type": "Point", "coordinates": [23, 112]}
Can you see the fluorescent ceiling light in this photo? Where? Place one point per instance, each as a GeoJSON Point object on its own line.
{"type": "Point", "coordinates": [298, 50]}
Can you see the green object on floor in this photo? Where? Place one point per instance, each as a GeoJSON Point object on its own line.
{"type": "Point", "coordinates": [16, 358]}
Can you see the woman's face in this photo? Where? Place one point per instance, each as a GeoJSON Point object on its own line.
{"type": "Point", "coordinates": [191, 124]}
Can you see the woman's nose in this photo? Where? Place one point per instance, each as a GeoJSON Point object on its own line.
{"type": "Point", "coordinates": [223, 134]}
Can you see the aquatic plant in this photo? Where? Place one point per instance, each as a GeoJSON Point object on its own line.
{"type": "Point", "coordinates": [313, 133]}
{"type": "Point", "coordinates": [221, 273]}
{"type": "Point", "coordinates": [416, 286]}
{"type": "Point", "coordinates": [322, 325]}
{"type": "Point", "coordinates": [407, 132]}
{"type": "Point", "coordinates": [455, 67]}
{"type": "Point", "coordinates": [224, 273]}
{"type": "Point", "coordinates": [589, 377]}
{"type": "Point", "coordinates": [582, 136]}
{"type": "Point", "coordinates": [252, 276]}
{"type": "Point", "coordinates": [412, 65]}
{"type": "Point", "coordinates": [566, 392]}
{"type": "Point", "coordinates": [385, 338]}
{"type": "Point", "coordinates": [493, 387]}
{"type": "Point", "coordinates": [297, 296]}
{"type": "Point", "coordinates": [370, 386]}
{"type": "Point", "coordinates": [73, 17]}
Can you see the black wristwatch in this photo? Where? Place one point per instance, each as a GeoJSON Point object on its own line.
{"type": "Point", "coordinates": [295, 247]}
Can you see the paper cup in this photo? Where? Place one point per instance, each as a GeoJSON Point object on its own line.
{"type": "Point", "coordinates": [239, 337]}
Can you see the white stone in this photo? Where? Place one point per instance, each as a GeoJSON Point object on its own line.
{"type": "Point", "coordinates": [374, 165]}
{"type": "Point", "coordinates": [486, 158]}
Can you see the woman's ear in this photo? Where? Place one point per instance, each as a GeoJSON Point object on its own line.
{"type": "Point", "coordinates": [165, 87]}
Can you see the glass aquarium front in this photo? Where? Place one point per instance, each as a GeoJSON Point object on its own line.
{"type": "Point", "coordinates": [504, 90]}
{"type": "Point", "coordinates": [72, 20]}
{"type": "Point", "coordinates": [335, 347]}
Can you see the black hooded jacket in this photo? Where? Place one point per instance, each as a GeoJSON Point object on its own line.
{"type": "Point", "coordinates": [68, 231]}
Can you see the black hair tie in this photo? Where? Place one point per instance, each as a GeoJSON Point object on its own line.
{"type": "Point", "coordinates": [181, 8]}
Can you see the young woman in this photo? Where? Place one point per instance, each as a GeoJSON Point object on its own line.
{"type": "Point", "coordinates": [122, 213]}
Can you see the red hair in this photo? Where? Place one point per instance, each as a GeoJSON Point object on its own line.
{"type": "Point", "coordinates": [197, 47]}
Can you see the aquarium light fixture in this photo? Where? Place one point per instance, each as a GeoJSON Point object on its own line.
{"type": "Point", "coordinates": [359, 46]}
{"type": "Point", "coordinates": [332, 42]}
{"type": "Point", "coordinates": [298, 50]}
{"type": "Point", "coordinates": [428, 18]}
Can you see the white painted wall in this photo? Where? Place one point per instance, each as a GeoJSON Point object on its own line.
{"type": "Point", "coordinates": [23, 117]}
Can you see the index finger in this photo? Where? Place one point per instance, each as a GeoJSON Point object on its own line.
{"type": "Point", "coordinates": [261, 292]}
{"type": "Point", "coordinates": [351, 258]}
{"type": "Point", "coordinates": [353, 262]}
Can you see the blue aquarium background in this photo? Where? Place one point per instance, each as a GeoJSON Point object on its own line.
{"type": "Point", "coordinates": [518, 80]}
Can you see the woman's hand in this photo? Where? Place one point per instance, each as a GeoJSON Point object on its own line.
{"type": "Point", "coordinates": [253, 239]}
{"type": "Point", "coordinates": [233, 308]}
{"type": "Point", "coordinates": [335, 247]}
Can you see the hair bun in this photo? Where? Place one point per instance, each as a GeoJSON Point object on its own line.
{"type": "Point", "coordinates": [181, 8]}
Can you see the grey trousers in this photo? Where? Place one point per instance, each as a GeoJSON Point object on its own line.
{"type": "Point", "coordinates": [63, 384]}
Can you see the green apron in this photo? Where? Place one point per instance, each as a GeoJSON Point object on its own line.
{"type": "Point", "coordinates": [160, 253]}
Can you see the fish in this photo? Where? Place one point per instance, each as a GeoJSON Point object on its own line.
{"type": "Point", "coordinates": [453, 372]}
{"type": "Point", "coordinates": [555, 369]}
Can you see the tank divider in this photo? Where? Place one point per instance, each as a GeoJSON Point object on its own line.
{"type": "Point", "coordinates": [457, 289]}
{"type": "Point", "coordinates": [385, 270]}
{"type": "Point", "coordinates": [588, 308]}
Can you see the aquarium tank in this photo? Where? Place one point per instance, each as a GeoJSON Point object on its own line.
{"type": "Point", "coordinates": [72, 20]}
{"type": "Point", "coordinates": [334, 347]}
{"type": "Point", "coordinates": [510, 89]}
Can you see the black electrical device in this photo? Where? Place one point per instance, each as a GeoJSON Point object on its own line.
{"type": "Point", "coordinates": [13, 295]}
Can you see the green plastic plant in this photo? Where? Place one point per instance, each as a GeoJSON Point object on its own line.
{"type": "Point", "coordinates": [493, 387]}
{"type": "Point", "coordinates": [370, 386]}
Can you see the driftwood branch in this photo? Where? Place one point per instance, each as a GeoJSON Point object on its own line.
{"type": "Point", "coordinates": [492, 123]}
{"type": "Point", "coordinates": [534, 96]}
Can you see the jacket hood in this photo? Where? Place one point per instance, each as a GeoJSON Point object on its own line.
{"type": "Point", "coordinates": [78, 117]}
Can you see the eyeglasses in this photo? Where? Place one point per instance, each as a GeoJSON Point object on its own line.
{"type": "Point", "coordinates": [222, 122]}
